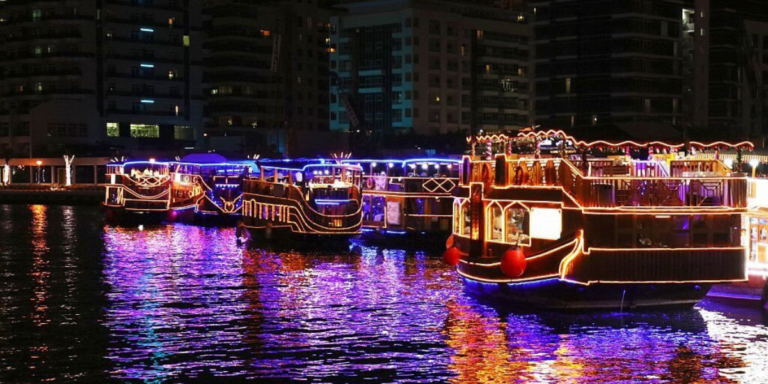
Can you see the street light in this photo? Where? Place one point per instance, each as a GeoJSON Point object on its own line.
{"type": "Point", "coordinates": [39, 163]}
{"type": "Point", "coordinates": [754, 163]}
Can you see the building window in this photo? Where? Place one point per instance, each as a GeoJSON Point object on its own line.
{"type": "Point", "coordinates": [182, 132]}
{"type": "Point", "coordinates": [145, 130]}
{"type": "Point", "coordinates": [37, 14]}
{"type": "Point", "coordinates": [113, 129]}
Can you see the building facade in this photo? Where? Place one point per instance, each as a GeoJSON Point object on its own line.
{"type": "Point", "coordinates": [428, 67]}
{"type": "Point", "coordinates": [90, 76]}
{"type": "Point", "coordinates": [737, 88]}
{"type": "Point", "coordinates": [606, 62]}
{"type": "Point", "coordinates": [266, 72]}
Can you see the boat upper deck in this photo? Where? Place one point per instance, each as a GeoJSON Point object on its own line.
{"type": "Point", "coordinates": [428, 176]}
{"type": "Point", "coordinates": [609, 178]}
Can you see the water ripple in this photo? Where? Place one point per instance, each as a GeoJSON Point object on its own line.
{"type": "Point", "coordinates": [175, 303]}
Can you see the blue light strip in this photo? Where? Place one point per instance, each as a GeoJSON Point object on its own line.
{"type": "Point", "coordinates": [147, 162]}
{"type": "Point", "coordinates": [534, 282]}
{"type": "Point", "coordinates": [330, 201]}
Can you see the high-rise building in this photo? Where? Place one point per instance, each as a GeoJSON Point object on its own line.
{"type": "Point", "coordinates": [83, 75]}
{"type": "Point", "coordinates": [607, 62]}
{"type": "Point", "coordinates": [733, 37]}
{"type": "Point", "coordinates": [429, 67]}
{"type": "Point", "coordinates": [266, 71]}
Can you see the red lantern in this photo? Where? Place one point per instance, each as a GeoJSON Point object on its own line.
{"type": "Point", "coordinates": [452, 256]}
{"type": "Point", "coordinates": [513, 262]}
{"type": "Point", "coordinates": [449, 242]}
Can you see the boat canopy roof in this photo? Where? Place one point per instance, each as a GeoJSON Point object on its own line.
{"type": "Point", "coordinates": [204, 158]}
{"type": "Point", "coordinates": [142, 163]}
{"type": "Point", "coordinates": [604, 137]}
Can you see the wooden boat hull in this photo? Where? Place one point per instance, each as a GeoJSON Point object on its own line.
{"type": "Point", "coordinates": [404, 239]}
{"type": "Point", "coordinates": [119, 215]}
{"type": "Point", "coordinates": [558, 294]}
{"type": "Point", "coordinates": [284, 239]}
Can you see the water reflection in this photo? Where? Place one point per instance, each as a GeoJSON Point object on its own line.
{"type": "Point", "coordinates": [179, 303]}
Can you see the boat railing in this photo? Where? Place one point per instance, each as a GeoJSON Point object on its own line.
{"type": "Point", "coordinates": [703, 190]}
{"type": "Point", "coordinates": [649, 192]}
{"type": "Point", "coordinates": [611, 167]}
{"type": "Point", "coordinates": [147, 187]}
{"type": "Point", "coordinates": [440, 185]}
{"type": "Point", "coordinates": [697, 167]}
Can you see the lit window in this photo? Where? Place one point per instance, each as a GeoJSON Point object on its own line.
{"type": "Point", "coordinates": [113, 130]}
{"type": "Point", "coordinates": [515, 220]}
{"type": "Point", "coordinates": [182, 132]}
{"type": "Point", "coordinates": [186, 40]}
{"type": "Point", "coordinates": [145, 130]}
{"type": "Point", "coordinates": [467, 224]}
{"type": "Point", "coordinates": [496, 228]}
{"type": "Point", "coordinates": [37, 14]}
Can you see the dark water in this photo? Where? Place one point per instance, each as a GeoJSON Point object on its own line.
{"type": "Point", "coordinates": [82, 301]}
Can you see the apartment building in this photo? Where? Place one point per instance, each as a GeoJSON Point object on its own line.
{"type": "Point", "coordinates": [90, 76]}
{"type": "Point", "coordinates": [430, 67]}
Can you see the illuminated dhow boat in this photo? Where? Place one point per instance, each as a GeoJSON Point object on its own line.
{"type": "Point", "coordinates": [207, 185]}
{"type": "Point", "coordinates": [313, 199]}
{"type": "Point", "coordinates": [567, 230]}
{"type": "Point", "coordinates": [408, 197]}
{"type": "Point", "coordinates": [138, 189]}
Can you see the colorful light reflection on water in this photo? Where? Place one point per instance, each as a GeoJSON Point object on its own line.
{"type": "Point", "coordinates": [82, 300]}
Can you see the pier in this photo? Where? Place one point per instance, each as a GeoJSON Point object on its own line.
{"type": "Point", "coordinates": [57, 180]}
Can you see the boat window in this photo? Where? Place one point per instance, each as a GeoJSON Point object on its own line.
{"type": "Point", "coordinates": [377, 208]}
{"type": "Point", "coordinates": [497, 224]}
{"type": "Point", "coordinates": [467, 218]}
{"type": "Point", "coordinates": [515, 218]}
{"type": "Point", "coordinates": [456, 218]}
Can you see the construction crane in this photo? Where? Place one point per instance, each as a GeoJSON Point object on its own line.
{"type": "Point", "coordinates": [344, 97]}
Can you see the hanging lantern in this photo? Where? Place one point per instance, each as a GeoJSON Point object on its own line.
{"type": "Point", "coordinates": [450, 242]}
{"type": "Point", "coordinates": [451, 256]}
{"type": "Point", "coordinates": [513, 262]}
